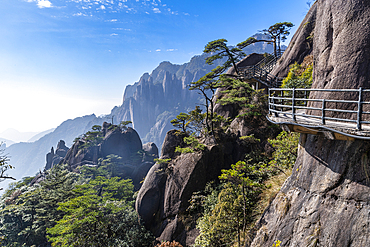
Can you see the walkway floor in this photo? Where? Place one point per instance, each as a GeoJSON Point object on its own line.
{"type": "Point", "coordinates": [316, 124]}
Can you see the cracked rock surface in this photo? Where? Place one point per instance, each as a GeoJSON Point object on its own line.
{"type": "Point", "coordinates": [326, 200]}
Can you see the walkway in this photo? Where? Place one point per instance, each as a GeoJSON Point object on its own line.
{"type": "Point", "coordinates": [294, 110]}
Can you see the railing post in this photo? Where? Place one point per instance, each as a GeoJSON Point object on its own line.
{"type": "Point", "coordinates": [305, 96]}
{"type": "Point", "coordinates": [282, 97]}
{"type": "Point", "coordinates": [323, 112]}
{"type": "Point", "coordinates": [274, 107]}
{"type": "Point", "coordinates": [359, 108]}
{"type": "Point", "coordinates": [293, 104]}
{"type": "Point", "coordinates": [269, 101]}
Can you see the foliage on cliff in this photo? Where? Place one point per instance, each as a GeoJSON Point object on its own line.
{"type": "Point", "coordinates": [230, 210]}
{"type": "Point", "coordinates": [300, 75]}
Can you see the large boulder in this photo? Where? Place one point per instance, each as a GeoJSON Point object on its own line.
{"type": "Point", "coordinates": [150, 152]}
{"type": "Point", "coordinates": [121, 143]}
{"type": "Point", "coordinates": [124, 143]}
{"type": "Point", "coordinates": [166, 191]}
{"type": "Point", "coordinates": [172, 140]}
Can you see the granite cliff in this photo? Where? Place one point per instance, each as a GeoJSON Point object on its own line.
{"type": "Point", "coordinates": [325, 202]}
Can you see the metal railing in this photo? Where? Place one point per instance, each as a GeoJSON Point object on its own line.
{"type": "Point", "coordinates": [289, 101]}
{"type": "Point", "coordinates": [261, 71]}
{"type": "Point", "coordinates": [263, 76]}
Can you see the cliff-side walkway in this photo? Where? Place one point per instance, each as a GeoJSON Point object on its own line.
{"type": "Point", "coordinates": [335, 117]}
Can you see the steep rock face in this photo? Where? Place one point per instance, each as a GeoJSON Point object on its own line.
{"type": "Point", "coordinates": [165, 193]}
{"type": "Point", "coordinates": [325, 202]}
{"type": "Point", "coordinates": [156, 99]}
{"type": "Point", "coordinates": [341, 54]}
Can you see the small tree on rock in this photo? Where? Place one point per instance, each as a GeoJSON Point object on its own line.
{"type": "Point", "coordinates": [276, 34]}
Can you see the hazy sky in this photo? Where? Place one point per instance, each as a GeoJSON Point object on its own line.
{"type": "Point", "coordinates": [60, 59]}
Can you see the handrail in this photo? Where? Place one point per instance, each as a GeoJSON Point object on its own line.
{"type": "Point", "coordinates": [288, 101]}
{"type": "Point", "coordinates": [261, 71]}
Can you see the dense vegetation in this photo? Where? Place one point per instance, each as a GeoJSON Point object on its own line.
{"type": "Point", "coordinates": [91, 208]}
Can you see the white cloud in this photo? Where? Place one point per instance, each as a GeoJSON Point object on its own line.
{"type": "Point", "coordinates": [44, 4]}
{"type": "Point", "coordinates": [113, 34]}
{"type": "Point", "coordinates": [98, 7]}
{"type": "Point", "coordinates": [171, 49]}
{"type": "Point", "coordinates": [156, 10]}
{"type": "Point", "coordinates": [79, 14]}
{"type": "Point", "coordinates": [158, 50]}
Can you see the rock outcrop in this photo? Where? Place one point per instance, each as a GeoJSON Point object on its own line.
{"type": "Point", "coordinates": [30, 157]}
{"type": "Point", "coordinates": [135, 159]}
{"type": "Point", "coordinates": [54, 158]}
{"type": "Point", "coordinates": [167, 188]}
{"type": "Point", "coordinates": [325, 202]}
{"type": "Point", "coordinates": [164, 196]}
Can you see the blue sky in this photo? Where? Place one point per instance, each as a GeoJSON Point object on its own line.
{"type": "Point", "coordinates": [60, 59]}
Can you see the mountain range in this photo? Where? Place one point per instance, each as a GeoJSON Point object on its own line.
{"type": "Point", "coordinates": [149, 104]}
